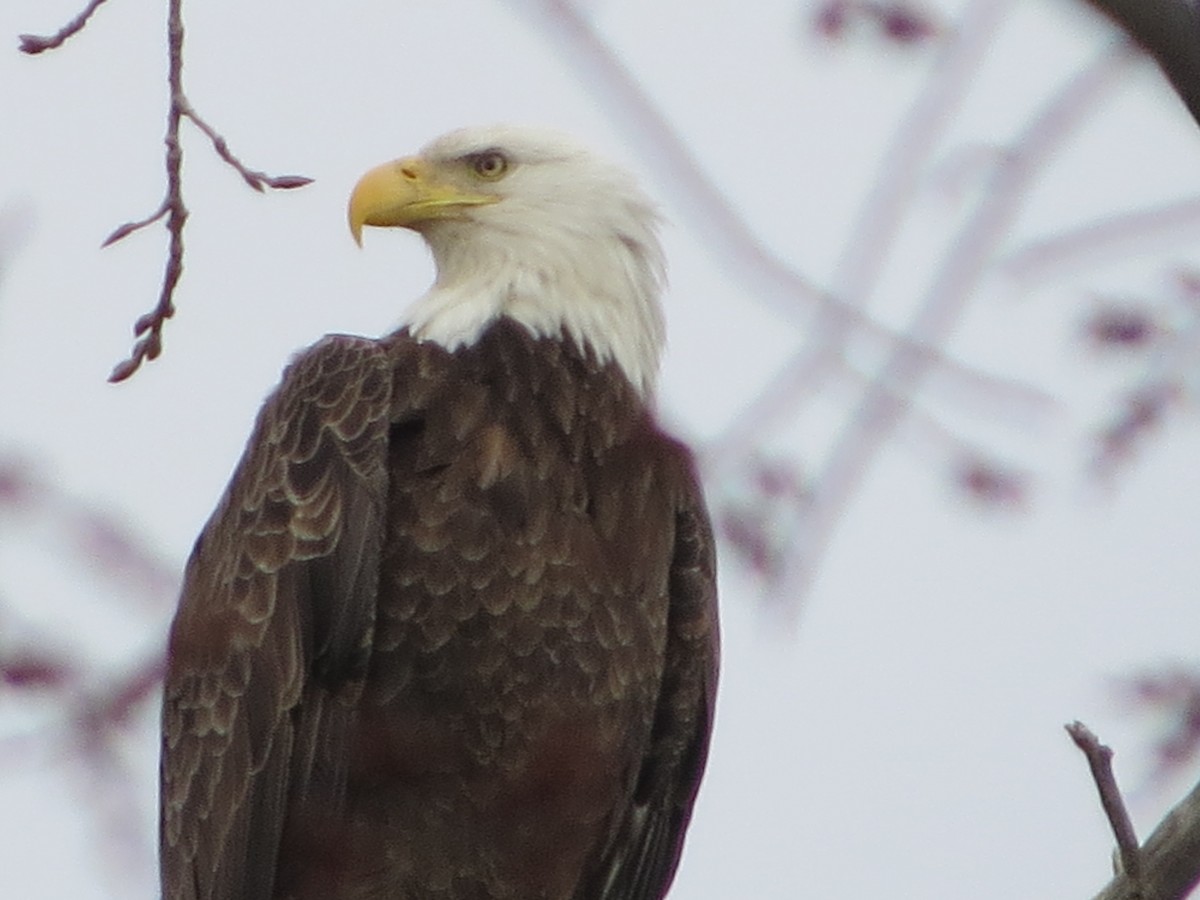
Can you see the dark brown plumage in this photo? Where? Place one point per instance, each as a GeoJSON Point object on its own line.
{"type": "Point", "coordinates": [450, 635]}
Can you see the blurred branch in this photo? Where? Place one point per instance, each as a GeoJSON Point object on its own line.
{"type": "Point", "coordinates": [1102, 239]}
{"type": "Point", "coordinates": [87, 534]}
{"type": "Point", "coordinates": [148, 328]}
{"type": "Point", "coordinates": [1169, 30]}
{"type": "Point", "coordinates": [1142, 410]}
{"type": "Point", "coordinates": [1173, 694]}
{"type": "Point", "coordinates": [1168, 380]}
{"type": "Point", "coordinates": [897, 22]}
{"type": "Point", "coordinates": [707, 209]}
{"type": "Point", "coordinates": [93, 709]}
{"type": "Point", "coordinates": [881, 214]}
{"type": "Point", "coordinates": [109, 784]}
{"type": "Point", "coordinates": [99, 712]}
{"type": "Point", "coordinates": [857, 270]}
{"type": "Point", "coordinates": [879, 412]}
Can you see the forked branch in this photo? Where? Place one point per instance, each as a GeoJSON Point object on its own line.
{"type": "Point", "coordinates": [1167, 866]}
{"type": "Point", "coordinates": [148, 328]}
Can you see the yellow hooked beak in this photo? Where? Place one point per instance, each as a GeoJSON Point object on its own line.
{"type": "Point", "coordinates": [406, 193]}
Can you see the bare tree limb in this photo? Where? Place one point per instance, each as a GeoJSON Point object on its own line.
{"type": "Point", "coordinates": [148, 328]}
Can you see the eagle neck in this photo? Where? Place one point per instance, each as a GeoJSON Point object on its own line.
{"type": "Point", "coordinates": [602, 294]}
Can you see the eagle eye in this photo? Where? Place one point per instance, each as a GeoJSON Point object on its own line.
{"type": "Point", "coordinates": [490, 164]}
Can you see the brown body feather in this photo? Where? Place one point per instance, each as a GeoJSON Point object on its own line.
{"type": "Point", "coordinates": [450, 635]}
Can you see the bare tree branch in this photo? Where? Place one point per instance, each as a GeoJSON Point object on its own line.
{"type": "Point", "coordinates": [1167, 866]}
{"type": "Point", "coordinates": [123, 231]}
{"type": "Point", "coordinates": [148, 328]}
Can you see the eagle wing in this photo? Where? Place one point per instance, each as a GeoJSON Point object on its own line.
{"type": "Point", "coordinates": [273, 634]}
{"type": "Point", "coordinates": [643, 857]}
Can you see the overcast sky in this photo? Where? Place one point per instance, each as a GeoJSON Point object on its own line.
{"type": "Point", "coordinates": [901, 735]}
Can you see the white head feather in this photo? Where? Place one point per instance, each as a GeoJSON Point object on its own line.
{"type": "Point", "coordinates": [569, 248]}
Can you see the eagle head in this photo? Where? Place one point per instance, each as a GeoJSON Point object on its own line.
{"type": "Point", "coordinates": [526, 223]}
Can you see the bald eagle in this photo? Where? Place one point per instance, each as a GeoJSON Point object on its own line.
{"type": "Point", "coordinates": [450, 633]}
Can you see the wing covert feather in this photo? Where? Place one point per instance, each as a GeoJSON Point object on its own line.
{"type": "Point", "coordinates": [278, 604]}
{"type": "Point", "coordinates": [648, 843]}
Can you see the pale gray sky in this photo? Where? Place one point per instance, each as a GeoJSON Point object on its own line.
{"type": "Point", "coordinates": [901, 737]}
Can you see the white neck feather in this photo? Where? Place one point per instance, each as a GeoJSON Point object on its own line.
{"type": "Point", "coordinates": [539, 267]}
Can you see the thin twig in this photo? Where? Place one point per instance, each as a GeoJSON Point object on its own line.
{"type": "Point", "coordinates": [253, 177]}
{"type": "Point", "coordinates": [1099, 757]}
{"type": "Point", "coordinates": [123, 231]}
{"type": "Point", "coordinates": [32, 43]}
{"type": "Point", "coordinates": [148, 328]}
